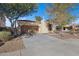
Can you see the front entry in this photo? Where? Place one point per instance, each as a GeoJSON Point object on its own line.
{"type": "Point", "coordinates": [50, 27]}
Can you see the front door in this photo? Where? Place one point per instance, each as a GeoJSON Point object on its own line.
{"type": "Point", "coordinates": [50, 27]}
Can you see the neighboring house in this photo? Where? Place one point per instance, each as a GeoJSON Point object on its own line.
{"type": "Point", "coordinates": [70, 27]}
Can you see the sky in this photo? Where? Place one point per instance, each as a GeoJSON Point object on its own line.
{"type": "Point", "coordinates": [41, 11]}
{"type": "Point", "coordinates": [75, 11]}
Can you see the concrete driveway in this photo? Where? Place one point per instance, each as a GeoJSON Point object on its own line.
{"type": "Point", "coordinates": [45, 45]}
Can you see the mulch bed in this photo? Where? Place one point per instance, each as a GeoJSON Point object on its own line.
{"type": "Point", "coordinates": [12, 45]}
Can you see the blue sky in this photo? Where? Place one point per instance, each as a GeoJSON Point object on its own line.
{"type": "Point", "coordinates": [75, 11]}
{"type": "Point", "coordinates": [42, 12]}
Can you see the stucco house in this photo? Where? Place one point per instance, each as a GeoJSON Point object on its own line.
{"type": "Point", "coordinates": [25, 25]}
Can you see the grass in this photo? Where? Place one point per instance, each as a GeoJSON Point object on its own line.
{"type": "Point", "coordinates": [4, 35]}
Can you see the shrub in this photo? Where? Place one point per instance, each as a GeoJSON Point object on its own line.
{"type": "Point", "coordinates": [58, 28]}
{"type": "Point", "coordinates": [5, 36]}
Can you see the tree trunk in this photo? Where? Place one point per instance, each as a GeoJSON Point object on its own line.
{"type": "Point", "coordinates": [12, 30]}
{"type": "Point", "coordinates": [15, 29]}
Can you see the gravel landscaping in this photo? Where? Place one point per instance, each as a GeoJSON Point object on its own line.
{"type": "Point", "coordinates": [12, 45]}
{"type": "Point", "coordinates": [65, 35]}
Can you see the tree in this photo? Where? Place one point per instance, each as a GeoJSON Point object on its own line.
{"type": "Point", "coordinates": [61, 14]}
{"type": "Point", "coordinates": [38, 19]}
{"type": "Point", "coordinates": [69, 19]}
{"type": "Point", "coordinates": [60, 11]}
{"type": "Point", "coordinates": [49, 21]}
{"type": "Point", "coordinates": [13, 11]}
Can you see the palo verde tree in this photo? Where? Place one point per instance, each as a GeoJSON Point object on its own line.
{"type": "Point", "coordinates": [61, 14]}
{"type": "Point", "coordinates": [15, 10]}
{"type": "Point", "coordinates": [60, 11]}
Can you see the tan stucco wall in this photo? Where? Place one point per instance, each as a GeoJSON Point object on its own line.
{"type": "Point", "coordinates": [43, 28]}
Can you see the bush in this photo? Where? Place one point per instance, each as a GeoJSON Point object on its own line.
{"type": "Point", "coordinates": [58, 28]}
{"type": "Point", "coordinates": [5, 36]}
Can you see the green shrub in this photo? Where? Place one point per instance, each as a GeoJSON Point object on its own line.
{"type": "Point", "coordinates": [4, 36]}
